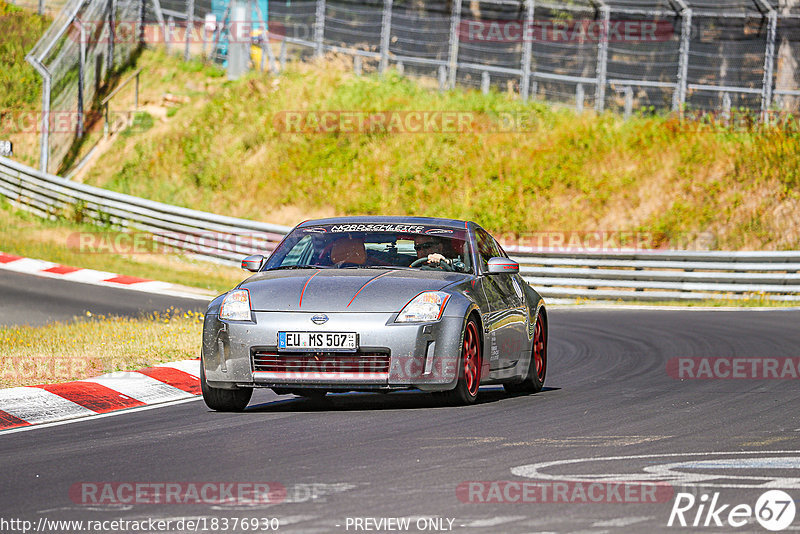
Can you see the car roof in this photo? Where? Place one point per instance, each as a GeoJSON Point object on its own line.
{"type": "Point", "coordinates": [391, 219]}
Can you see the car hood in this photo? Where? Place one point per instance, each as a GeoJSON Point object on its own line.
{"type": "Point", "coordinates": [342, 290]}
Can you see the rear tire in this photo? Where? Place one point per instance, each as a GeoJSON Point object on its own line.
{"type": "Point", "coordinates": [469, 371]}
{"type": "Point", "coordinates": [224, 400]}
{"type": "Point", "coordinates": [537, 368]}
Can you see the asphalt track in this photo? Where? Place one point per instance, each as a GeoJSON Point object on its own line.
{"type": "Point", "coordinates": [36, 300]}
{"type": "Point", "coordinates": [404, 455]}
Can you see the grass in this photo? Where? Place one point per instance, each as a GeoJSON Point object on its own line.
{"type": "Point", "coordinates": [90, 346]}
{"type": "Point", "coordinates": [60, 241]}
{"type": "Point", "coordinates": [20, 85]}
{"type": "Point", "coordinates": [225, 151]}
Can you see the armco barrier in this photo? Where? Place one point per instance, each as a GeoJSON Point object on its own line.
{"type": "Point", "coordinates": [205, 234]}
{"type": "Point", "coordinates": [626, 275]}
{"type": "Point", "coordinates": [662, 275]}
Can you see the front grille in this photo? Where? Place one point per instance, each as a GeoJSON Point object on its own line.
{"type": "Point", "coordinates": [361, 363]}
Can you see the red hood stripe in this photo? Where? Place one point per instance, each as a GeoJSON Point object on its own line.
{"type": "Point", "coordinates": [305, 286]}
{"type": "Point", "coordinates": [366, 284]}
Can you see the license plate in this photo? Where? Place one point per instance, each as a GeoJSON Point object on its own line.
{"type": "Point", "coordinates": [314, 341]}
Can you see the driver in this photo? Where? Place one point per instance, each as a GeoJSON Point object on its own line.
{"type": "Point", "coordinates": [433, 248]}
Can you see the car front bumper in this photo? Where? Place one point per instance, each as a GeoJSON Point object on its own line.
{"type": "Point", "coordinates": [418, 355]}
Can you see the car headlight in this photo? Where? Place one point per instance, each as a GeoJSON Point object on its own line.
{"type": "Point", "coordinates": [236, 306]}
{"type": "Point", "coordinates": [427, 306]}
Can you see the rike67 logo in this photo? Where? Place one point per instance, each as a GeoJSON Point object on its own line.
{"type": "Point", "coordinates": [774, 510]}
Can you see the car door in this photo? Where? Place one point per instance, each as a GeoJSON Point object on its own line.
{"type": "Point", "coordinates": [518, 319]}
{"type": "Point", "coordinates": [500, 321]}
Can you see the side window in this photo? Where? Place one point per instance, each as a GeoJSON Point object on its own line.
{"type": "Point", "coordinates": [300, 253]}
{"type": "Point", "coordinates": [486, 247]}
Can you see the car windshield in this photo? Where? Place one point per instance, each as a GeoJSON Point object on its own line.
{"type": "Point", "coordinates": [343, 246]}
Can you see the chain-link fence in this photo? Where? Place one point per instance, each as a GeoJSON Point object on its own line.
{"type": "Point", "coordinates": [626, 55]}
{"type": "Point", "coordinates": [50, 7]}
{"type": "Point", "coordinates": [88, 41]}
{"type": "Point", "coordinates": [623, 54]}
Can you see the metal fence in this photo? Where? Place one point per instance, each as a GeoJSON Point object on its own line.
{"type": "Point", "coordinates": [76, 57]}
{"type": "Point", "coordinates": [620, 54]}
{"type": "Point", "coordinates": [626, 55]}
{"type": "Point", "coordinates": [626, 275]}
{"type": "Point", "coordinates": [40, 6]}
{"type": "Point", "coordinates": [728, 56]}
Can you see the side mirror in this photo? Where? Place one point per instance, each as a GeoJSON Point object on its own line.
{"type": "Point", "coordinates": [253, 263]}
{"type": "Point", "coordinates": [503, 265]}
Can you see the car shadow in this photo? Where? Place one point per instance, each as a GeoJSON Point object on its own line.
{"type": "Point", "coordinates": [401, 400]}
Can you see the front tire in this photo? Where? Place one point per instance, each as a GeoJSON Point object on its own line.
{"type": "Point", "coordinates": [537, 368]}
{"type": "Point", "coordinates": [469, 374]}
{"type": "Point", "coordinates": [224, 400]}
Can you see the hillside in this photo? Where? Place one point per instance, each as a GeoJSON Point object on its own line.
{"type": "Point", "coordinates": [20, 85]}
{"type": "Point", "coordinates": [227, 150]}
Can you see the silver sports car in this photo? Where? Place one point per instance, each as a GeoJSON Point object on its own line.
{"type": "Point", "coordinates": [376, 304]}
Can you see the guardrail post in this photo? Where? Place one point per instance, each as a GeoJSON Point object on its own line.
{"type": "Point", "coordinates": [527, 50]}
{"type": "Point", "coordinates": [189, 27]}
{"type": "Point", "coordinates": [452, 55]}
{"type": "Point", "coordinates": [679, 96]}
{"type": "Point", "coordinates": [400, 67]}
{"type": "Point", "coordinates": [358, 67]}
{"type": "Point", "coordinates": [726, 108]}
{"type": "Point", "coordinates": [486, 82]}
{"type": "Point", "coordinates": [386, 35]}
{"type": "Point", "coordinates": [579, 97]}
{"type": "Point", "coordinates": [319, 28]}
{"type": "Point", "coordinates": [769, 60]}
{"type": "Point", "coordinates": [602, 61]}
{"type": "Point", "coordinates": [628, 91]}
{"type": "Point", "coordinates": [442, 77]}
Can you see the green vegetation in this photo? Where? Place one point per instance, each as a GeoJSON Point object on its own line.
{"type": "Point", "coordinates": [90, 346]}
{"type": "Point", "coordinates": [228, 151]}
{"type": "Point", "coordinates": [20, 86]}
